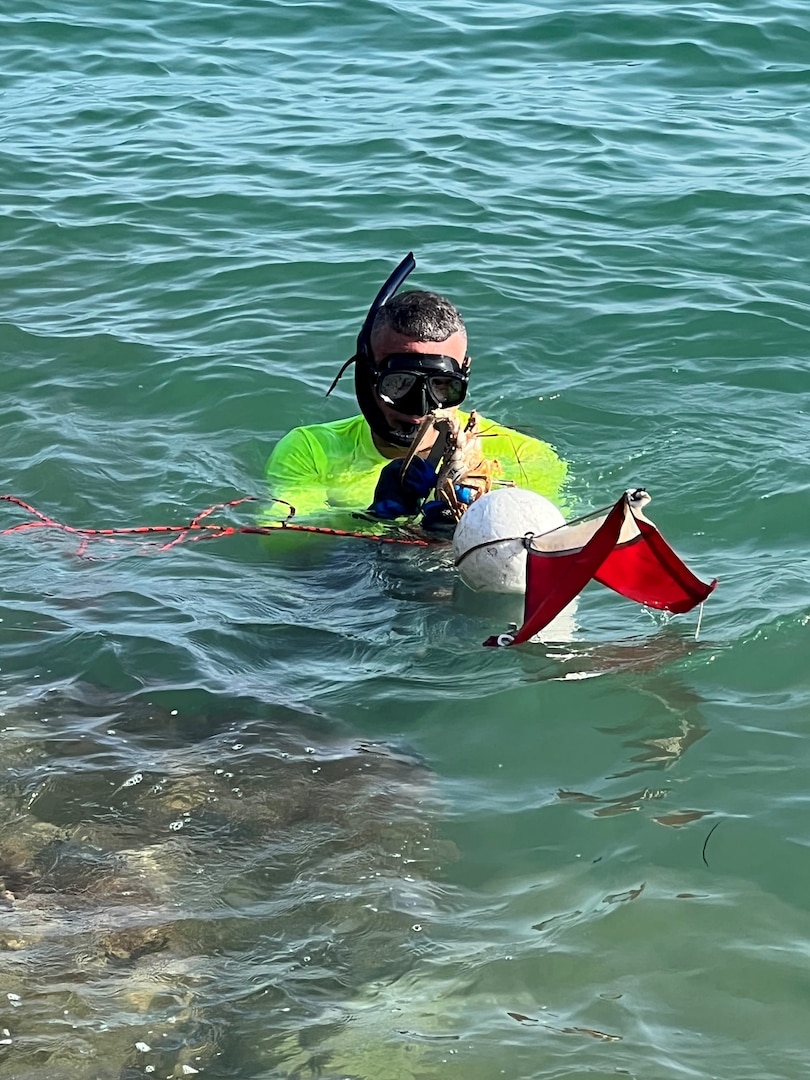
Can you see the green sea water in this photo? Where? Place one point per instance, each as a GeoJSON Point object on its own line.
{"type": "Point", "coordinates": [271, 813]}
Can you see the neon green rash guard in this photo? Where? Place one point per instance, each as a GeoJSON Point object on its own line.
{"type": "Point", "coordinates": [329, 471]}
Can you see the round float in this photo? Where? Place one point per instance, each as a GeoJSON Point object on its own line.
{"type": "Point", "coordinates": [488, 541]}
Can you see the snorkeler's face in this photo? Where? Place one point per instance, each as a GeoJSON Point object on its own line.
{"type": "Point", "coordinates": [442, 367]}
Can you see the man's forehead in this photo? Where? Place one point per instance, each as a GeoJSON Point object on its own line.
{"type": "Point", "coordinates": [386, 341]}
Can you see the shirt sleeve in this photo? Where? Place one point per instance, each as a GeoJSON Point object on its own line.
{"type": "Point", "coordinates": [296, 473]}
{"type": "Point", "coordinates": [527, 462]}
{"type": "Point", "coordinates": [537, 466]}
{"type": "Point", "coordinates": [299, 475]}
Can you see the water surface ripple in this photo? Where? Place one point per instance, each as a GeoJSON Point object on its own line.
{"type": "Point", "coordinates": [272, 811]}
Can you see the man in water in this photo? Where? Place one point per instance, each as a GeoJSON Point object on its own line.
{"type": "Point", "coordinates": [411, 359]}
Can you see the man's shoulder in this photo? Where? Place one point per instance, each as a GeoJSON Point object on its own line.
{"type": "Point", "coordinates": [327, 434]}
{"type": "Point", "coordinates": [319, 447]}
{"type": "Point", "coordinates": [493, 430]}
{"type": "Point", "coordinates": [349, 425]}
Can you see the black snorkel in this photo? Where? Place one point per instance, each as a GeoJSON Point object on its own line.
{"type": "Point", "coordinates": [363, 360]}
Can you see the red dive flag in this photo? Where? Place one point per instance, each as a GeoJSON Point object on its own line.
{"type": "Point", "coordinates": [622, 550]}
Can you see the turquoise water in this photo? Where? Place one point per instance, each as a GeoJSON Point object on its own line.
{"type": "Point", "coordinates": [271, 813]}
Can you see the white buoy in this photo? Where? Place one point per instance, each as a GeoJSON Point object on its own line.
{"type": "Point", "coordinates": [487, 544]}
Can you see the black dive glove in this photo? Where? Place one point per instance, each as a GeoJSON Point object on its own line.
{"type": "Point", "coordinates": [438, 515]}
{"type": "Point", "coordinates": [401, 496]}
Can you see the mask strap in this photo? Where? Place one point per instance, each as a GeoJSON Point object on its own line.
{"type": "Point", "coordinates": [336, 379]}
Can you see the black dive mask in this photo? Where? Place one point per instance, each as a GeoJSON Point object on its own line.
{"type": "Point", "coordinates": [417, 383]}
{"type": "Point", "coordinates": [411, 383]}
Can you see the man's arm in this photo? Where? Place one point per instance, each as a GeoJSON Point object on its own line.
{"type": "Point", "coordinates": [298, 472]}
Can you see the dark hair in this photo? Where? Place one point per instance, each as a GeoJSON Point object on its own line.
{"type": "Point", "coordinates": [423, 316]}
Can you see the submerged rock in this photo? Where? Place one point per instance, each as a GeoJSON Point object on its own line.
{"type": "Point", "coordinates": [152, 902]}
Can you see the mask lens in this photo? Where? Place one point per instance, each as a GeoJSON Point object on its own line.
{"type": "Point", "coordinates": [446, 390]}
{"type": "Point", "coordinates": [395, 385]}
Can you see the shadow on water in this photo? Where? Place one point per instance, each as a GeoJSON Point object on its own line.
{"type": "Point", "coordinates": [170, 880]}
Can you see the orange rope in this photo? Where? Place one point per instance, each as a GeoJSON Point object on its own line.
{"type": "Point", "coordinates": [197, 529]}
